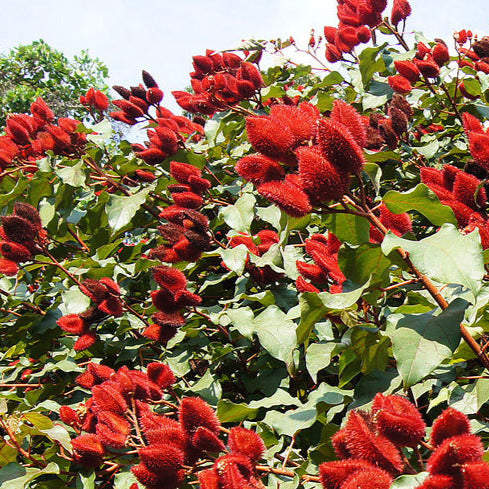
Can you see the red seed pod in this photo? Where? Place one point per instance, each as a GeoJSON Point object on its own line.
{"type": "Point", "coordinates": [162, 458]}
{"type": "Point", "coordinates": [441, 54]}
{"type": "Point", "coordinates": [161, 374]}
{"type": "Point", "coordinates": [160, 479]}
{"type": "Point", "coordinates": [182, 171]}
{"type": "Point", "coordinates": [368, 479]}
{"type": "Point", "coordinates": [198, 184]}
{"type": "Point", "coordinates": [72, 323]}
{"type": "Point", "coordinates": [247, 443]}
{"type": "Point", "coordinates": [398, 420]}
{"type": "Point", "coordinates": [303, 286]}
{"type": "Point", "coordinates": [400, 11]}
{"type": "Point", "coordinates": [110, 438]}
{"type": "Point", "coordinates": [88, 450]}
{"type": "Point", "coordinates": [208, 478]}
{"type": "Point", "coordinates": [195, 412]}
{"type": "Point", "coordinates": [333, 54]}
{"type": "Point", "coordinates": [449, 423]}
{"type": "Point", "coordinates": [312, 272]}
{"type": "Point", "coordinates": [288, 197]}
{"type": "Point", "coordinates": [169, 277]}
{"type": "Point", "coordinates": [248, 71]}
{"type": "Point", "coordinates": [41, 110]}
{"type": "Point", "coordinates": [100, 372]}
{"type": "Point", "coordinates": [259, 169]}
{"type": "Point", "coordinates": [334, 474]}
{"type": "Point", "coordinates": [206, 441]}
{"type": "Point", "coordinates": [189, 200]}
{"type": "Point", "coordinates": [94, 289]}
{"type": "Point", "coordinates": [364, 34]}
{"type": "Point", "coordinates": [69, 416]}
{"type": "Point", "coordinates": [428, 67]}
{"type": "Point", "coordinates": [114, 422]}
{"type": "Point", "coordinates": [19, 229]}
{"type": "Point", "coordinates": [174, 320]}
{"type": "Point", "coordinates": [479, 148]}
{"type": "Point", "coordinates": [408, 70]}
{"type": "Point", "coordinates": [438, 482]}
{"type": "Point", "coordinates": [400, 84]}
{"type": "Point", "coordinates": [399, 224]}
{"type": "Point", "coordinates": [148, 80]}
{"type": "Point", "coordinates": [8, 267]}
{"type": "Point", "coordinates": [453, 452]}
{"type": "Point", "coordinates": [107, 398]}
{"type": "Point", "coordinates": [469, 190]}
{"type": "Point", "coordinates": [85, 341]}
{"type": "Point", "coordinates": [14, 251]}
{"type": "Point", "coordinates": [339, 146]}
{"type": "Point", "coordinates": [28, 212]}
{"type": "Point", "coordinates": [347, 115]}
{"type": "Point", "coordinates": [339, 442]}
{"type": "Point", "coordinates": [111, 306]}
{"type": "Point", "coordinates": [185, 298]}
{"type": "Point", "coordinates": [154, 95]}
{"type": "Point", "coordinates": [299, 121]}
{"type": "Point", "coordinates": [476, 475]}
{"type": "Point", "coordinates": [269, 136]}
{"type": "Point", "coordinates": [362, 443]}
{"type": "Point", "coordinates": [330, 33]}
{"type": "Point", "coordinates": [399, 120]}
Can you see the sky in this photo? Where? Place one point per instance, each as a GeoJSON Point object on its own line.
{"type": "Point", "coordinates": [161, 36]}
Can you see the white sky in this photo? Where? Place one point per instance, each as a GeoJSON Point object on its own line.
{"type": "Point", "coordinates": [161, 36]}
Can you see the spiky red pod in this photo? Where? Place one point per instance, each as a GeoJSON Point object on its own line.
{"type": "Point", "coordinates": [209, 479]}
{"type": "Point", "coordinates": [94, 289]}
{"type": "Point", "coordinates": [330, 265]}
{"type": "Point", "coordinates": [162, 458]}
{"type": "Point", "coordinates": [169, 277]}
{"type": "Point", "coordinates": [239, 462]}
{"type": "Point", "coordinates": [368, 479]}
{"type": "Point", "coordinates": [269, 137]}
{"type": "Point", "coordinates": [364, 34]}
{"type": "Point", "coordinates": [319, 178]}
{"type": "Point", "coordinates": [258, 169]}
{"type": "Point", "coordinates": [439, 482]}
{"type": "Point", "coordinates": [8, 267]}
{"type": "Point", "coordinates": [69, 416]}
{"type": "Point", "coordinates": [185, 298]}
{"type": "Point", "coordinates": [107, 398]}
{"type": "Point", "coordinates": [453, 452]}
{"type": "Point", "coordinates": [41, 110]}
{"type": "Point", "coordinates": [195, 412]}
{"type": "Point", "coordinates": [160, 333]}
{"type": "Point", "coordinates": [182, 171]}
{"type": "Point", "coordinates": [152, 156]}
{"type": "Point", "coordinates": [248, 71]}
{"type": "Point", "coordinates": [399, 224]}
{"type": "Point", "coordinates": [441, 54]}
{"type": "Point", "coordinates": [72, 323]}
{"type": "Point", "coordinates": [88, 450]}
{"type": "Point", "coordinates": [400, 11]}
{"type": "Point", "coordinates": [449, 423]}
{"type": "Point", "coordinates": [399, 120]}
{"type": "Point", "coordinates": [267, 238]}
{"type": "Point", "coordinates": [428, 67]}
{"type": "Point", "coordinates": [300, 122]}
{"type": "Point", "coordinates": [109, 438]}
{"type": "Point", "coordinates": [472, 124]}
{"type": "Point", "coordinates": [28, 212]}
{"type": "Point", "coordinates": [154, 480]}
{"type": "Point", "coordinates": [399, 84]}
{"type": "Point", "coordinates": [333, 54]}
{"type": "Point", "coordinates": [287, 197]}
{"type": "Point", "coordinates": [85, 341]}
{"type": "Point", "coordinates": [303, 286]}
{"type": "Point", "coordinates": [189, 200]}
{"type": "Point", "coordinates": [144, 388]}
{"type": "Point", "coordinates": [161, 374]}
{"type": "Point", "coordinates": [329, 33]}
{"type": "Point", "coordinates": [206, 441]}
{"type": "Point", "coordinates": [312, 272]}
{"type": "Point", "coordinates": [199, 184]}
{"type": "Point", "coordinates": [478, 222]}
{"type": "Point", "coordinates": [398, 419]}
{"type": "Point", "coordinates": [19, 229]}
{"type": "Point", "coordinates": [247, 443]}
{"type": "Point", "coordinates": [408, 70]}
{"type": "Point", "coordinates": [347, 115]}
{"type": "Point", "coordinates": [469, 190]}
{"type": "Point", "coordinates": [167, 434]}
{"type": "Point", "coordinates": [339, 442]}
{"type": "Point", "coordinates": [333, 474]}
{"type": "Point", "coordinates": [173, 319]}
{"type": "Point", "coordinates": [111, 306]}
{"type": "Point", "coordinates": [364, 444]}
{"type": "Point", "coordinates": [479, 148]}
{"type": "Point", "coordinates": [476, 475]}
{"type": "Point", "coordinates": [462, 212]}
{"type": "Point", "coordinates": [431, 176]}
{"type": "Point", "coordinates": [339, 147]}
{"type": "Point", "coordinates": [114, 422]}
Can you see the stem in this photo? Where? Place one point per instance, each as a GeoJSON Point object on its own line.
{"type": "Point", "coordinates": [289, 473]}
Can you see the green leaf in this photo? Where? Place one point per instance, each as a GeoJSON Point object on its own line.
{"type": "Point", "coordinates": [235, 258]}
{"type": "Point", "coordinates": [73, 175]}
{"type": "Point", "coordinates": [240, 215]}
{"type": "Point", "coordinates": [230, 412]}
{"type": "Point", "coordinates": [369, 64]}
{"type": "Point", "coordinates": [422, 341]}
{"type": "Point", "coordinates": [121, 209]}
{"type": "Point", "coordinates": [103, 130]}
{"type": "Point", "coordinates": [124, 479]}
{"type": "Point", "coordinates": [318, 356]}
{"type": "Point", "coordinates": [349, 228]}
{"type": "Point", "coordinates": [423, 200]}
{"type": "Point", "coordinates": [20, 186]}
{"type": "Point", "coordinates": [409, 481]}
{"type": "Point", "coordinates": [276, 333]}
{"type": "Point", "coordinates": [85, 480]}
{"type": "Point", "coordinates": [38, 420]}
{"type": "Point", "coordinates": [314, 306]}
{"type": "Point", "coordinates": [447, 257]}
{"type": "Point", "coordinates": [242, 319]}
{"type": "Point", "coordinates": [14, 476]}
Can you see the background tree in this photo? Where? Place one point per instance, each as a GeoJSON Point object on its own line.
{"type": "Point", "coordinates": [38, 70]}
